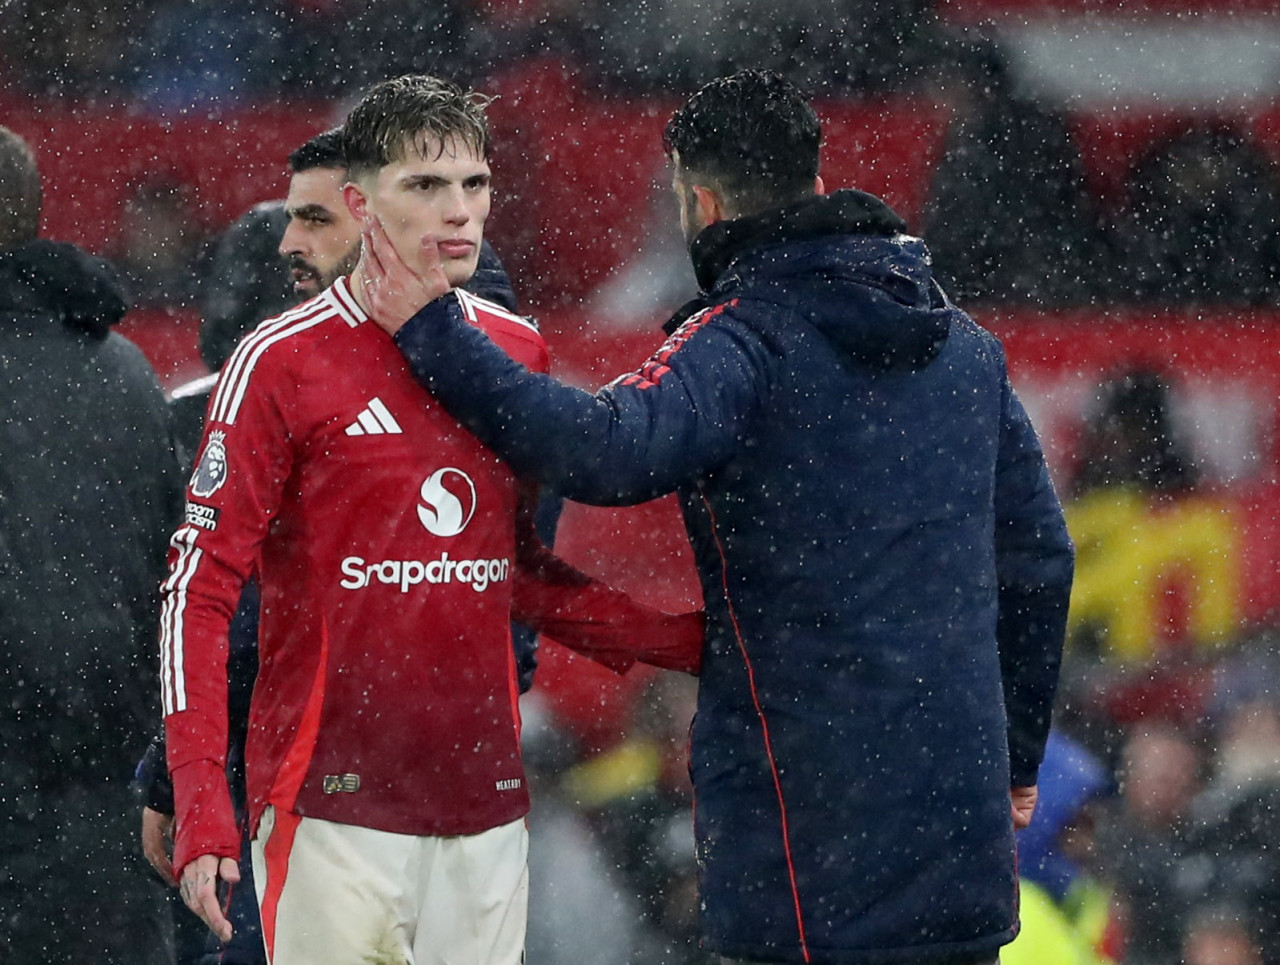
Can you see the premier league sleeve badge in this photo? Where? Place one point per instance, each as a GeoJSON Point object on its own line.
{"type": "Point", "coordinates": [211, 472]}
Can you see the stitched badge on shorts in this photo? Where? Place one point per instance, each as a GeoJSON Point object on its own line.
{"type": "Point", "coordinates": [341, 783]}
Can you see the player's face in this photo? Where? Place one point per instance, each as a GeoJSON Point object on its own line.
{"type": "Point", "coordinates": [322, 241]}
{"type": "Point", "coordinates": [441, 195]}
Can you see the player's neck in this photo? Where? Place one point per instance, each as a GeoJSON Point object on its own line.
{"type": "Point", "coordinates": [356, 283]}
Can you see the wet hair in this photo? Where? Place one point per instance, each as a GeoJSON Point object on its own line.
{"type": "Point", "coordinates": [20, 193]}
{"type": "Point", "coordinates": [752, 135]}
{"type": "Point", "coordinates": [322, 151]}
{"type": "Point", "coordinates": [415, 109]}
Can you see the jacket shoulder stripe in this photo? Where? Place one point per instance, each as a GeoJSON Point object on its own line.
{"type": "Point", "coordinates": [231, 394]}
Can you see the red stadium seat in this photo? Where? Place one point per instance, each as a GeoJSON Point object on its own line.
{"type": "Point", "coordinates": [887, 146]}
{"type": "Point", "coordinates": [91, 160]}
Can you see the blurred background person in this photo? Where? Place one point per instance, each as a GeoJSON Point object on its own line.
{"type": "Point", "coordinates": [160, 243]}
{"type": "Point", "coordinates": [244, 281]}
{"type": "Point", "coordinates": [1220, 934]}
{"type": "Point", "coordinates": [637, 799]}
{"type": "Point", "coordinates": [1132, 465]}
{"type": "Point", "coordinates": [89, 488]}
{"type": "Point", "coordinates": [1008, 218]}
{"type": "Point", "coordinates": [580, 908]}
{"type": "Point", "coordinates": [1202, 223]}
{"type": "Point", "coordinates": [1143, 838]}
{"type": "Point", "coordinates": [1063, 903]}
{"type": "Point", "coordinates": [1232, 852]}
{"type": "Point", "coordinates": [1131, 439]}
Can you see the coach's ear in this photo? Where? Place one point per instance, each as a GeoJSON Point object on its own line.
{"type": "Point", "coordinates": [711, 205]}
{"type": "Point", "coordinates": [354, 198]}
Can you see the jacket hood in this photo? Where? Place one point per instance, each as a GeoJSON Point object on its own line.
{"type": "Point", "coordinates": [844, 262]}
{"type": "Point", "coordinates": [1070, 778]}
{"type": "Point", "coordinates": [51, 277]}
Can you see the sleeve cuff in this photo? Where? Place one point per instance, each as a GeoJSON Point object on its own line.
{"type": "Point", "coordinates": [204, 820]}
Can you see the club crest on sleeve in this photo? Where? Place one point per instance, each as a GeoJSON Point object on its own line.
{"type": "Point", "coordinates": [211, 472]}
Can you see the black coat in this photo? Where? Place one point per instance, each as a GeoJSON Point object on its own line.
{"type": "Point", "coordinates": [89, 492]}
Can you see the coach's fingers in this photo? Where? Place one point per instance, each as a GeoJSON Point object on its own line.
{"type": "Point", "coordinates": [433, 275]}
{"type": "Point", "coordinates": [398, 274]}
{"type": "Point", "coordinates": [229, 870]}
{"type": "Point", "coordinates": [1023, 805]}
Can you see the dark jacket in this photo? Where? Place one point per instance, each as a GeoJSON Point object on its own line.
{"type": "Point", "coordinates": [883, 559]}
{"type": "Point", "coordinates": [88, 495]}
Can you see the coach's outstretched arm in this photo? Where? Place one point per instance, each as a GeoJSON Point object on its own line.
{"type": "Point", "coordinates": [678, 417]}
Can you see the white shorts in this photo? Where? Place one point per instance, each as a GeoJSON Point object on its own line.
{"type": "Point", "coordinates": [337, 894]}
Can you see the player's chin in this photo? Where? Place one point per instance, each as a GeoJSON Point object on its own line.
{"type": "Point", "coordinates": [460, 270]}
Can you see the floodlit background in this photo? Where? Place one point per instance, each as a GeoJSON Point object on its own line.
{"type": "Point", "coordinates": [1098, 184]}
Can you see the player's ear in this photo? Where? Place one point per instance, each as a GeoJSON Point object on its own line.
{"type": "Point", "coordinates": [711, 206]}
{"type": "Point", "coordinates": [354, 198]}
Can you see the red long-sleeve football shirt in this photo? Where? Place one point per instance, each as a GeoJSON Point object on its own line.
{"type": "Point", "coordinates": [384, 536]}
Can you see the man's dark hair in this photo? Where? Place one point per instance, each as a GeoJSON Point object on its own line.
{"type": "Point", "coordinates": [415, 109]}
{"type": "Point", "coordinates": [20, 195]}
{"type": "Point", "coordinates": [752, 135]}
{"type": "Point", "coordinates": [322, 151]}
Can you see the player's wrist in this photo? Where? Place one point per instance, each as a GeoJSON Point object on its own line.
{"type": "Point", "coordinates": [204, 819]}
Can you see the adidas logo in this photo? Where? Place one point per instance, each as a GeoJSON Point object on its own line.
{"type": "Point", "coordinates": [374, 420]}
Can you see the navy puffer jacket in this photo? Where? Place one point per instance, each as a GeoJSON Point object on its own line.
{"type": "Point", "coordinates": [884, 563]}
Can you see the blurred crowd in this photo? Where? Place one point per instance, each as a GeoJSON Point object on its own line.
{"type": "Point", "coordinates": [1171, 830]}
{"type": "Point", "coordinates": [1010, 214]}
{"type": "Point", "coordinates": [181, 53]}
{"type": "Point", "coordinates": [1176, 835]}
